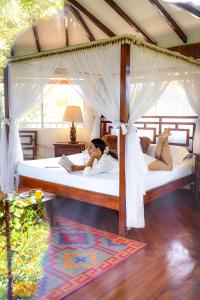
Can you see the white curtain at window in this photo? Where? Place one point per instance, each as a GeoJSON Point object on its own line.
{"type": "Point", "coordinates": [96, 71]}
{"type": "Point", "coordinates": [191, 84]}
{"type": "Point", "coordinates": [173, 101]}
{"type": "Point", "coordinates": [26, 81]}
{"type": "Point", "coordinates": [151, 72]}
{"type": "Point", "coordinates": [88, 118]}
{"type": "Point", "coordinates": [147, 86]}
{"type": "Point", "coordinates": [95, 133]}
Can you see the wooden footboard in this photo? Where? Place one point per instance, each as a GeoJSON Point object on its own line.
{"type": "Point", "coordinates": [99, 199]}
{"type": "Point", "coordinates": [108, 201]}
{"type": "Point", "coordinates": [168, 188]}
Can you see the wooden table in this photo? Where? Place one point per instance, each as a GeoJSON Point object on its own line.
{"type": "Point", "coordinates": [68, 148]}
{"type": "Point", "coordinates": [47, 202]}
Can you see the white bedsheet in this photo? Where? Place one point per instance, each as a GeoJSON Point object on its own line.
{"type": "Point", "coordinates": [107, 183]}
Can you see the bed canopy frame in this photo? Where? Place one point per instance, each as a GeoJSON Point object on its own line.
{"type": "Point", "coordinates": [112, 202]}
{"type": "Point", "coordinates": [115, 202]}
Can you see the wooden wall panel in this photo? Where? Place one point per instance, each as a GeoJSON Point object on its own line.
{"type": "Point", "coordinates": [192, 50]}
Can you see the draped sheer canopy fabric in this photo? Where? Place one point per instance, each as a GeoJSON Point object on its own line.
{"type": "Point", "coordinates": [97, 73]}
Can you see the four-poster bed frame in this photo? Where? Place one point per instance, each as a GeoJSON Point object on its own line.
{"type": "Point", "coordinates": [113, 202]}
{"type": "Point", "coordinates": [108, 201]}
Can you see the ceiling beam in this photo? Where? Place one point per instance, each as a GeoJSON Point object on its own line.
{"type": "Point", "coordinates": [12, 51]}
{"type": "Point", "coordinates": [36, 36]}
{"type": "Point", "coordinates": [96, 21]}
{"type": "Point", "coordinates": [193, 11]}
{"type": "Point", "coordinates": [65, 24]}
{"type": "Point", "coordinates": [169, 20]}
{"type": "Point", "coordinates": [129, 20]}
{"type": "Point", "coordinates": [81, 21]}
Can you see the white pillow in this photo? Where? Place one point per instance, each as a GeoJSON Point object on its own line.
{"type": "Point", "coordinates": [151, 150]}
{"type": "Point", "coordinates": [178, 153]}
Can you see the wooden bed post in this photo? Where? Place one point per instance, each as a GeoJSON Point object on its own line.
{"type": "Point", "coordinates": [6, 98]}
{"type": "Point", "coordinates": [124, 91]}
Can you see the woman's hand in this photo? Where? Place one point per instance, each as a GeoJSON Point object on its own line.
{"type": "Point", "coordinates": [77, 168]}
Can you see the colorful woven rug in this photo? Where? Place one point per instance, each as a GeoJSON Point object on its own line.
{"type": "Point", "coordinates": [77, 254]}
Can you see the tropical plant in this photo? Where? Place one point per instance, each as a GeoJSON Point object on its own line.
{"type": "Point", "coordinates": [23, 241]}
{"type": "Point", "coordinates": [17, 15]}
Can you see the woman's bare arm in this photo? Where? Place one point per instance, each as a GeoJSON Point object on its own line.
{"type": "Point", "coordinates": [90, 162]}
{"type": "Point", "coordinates": [77, 168]}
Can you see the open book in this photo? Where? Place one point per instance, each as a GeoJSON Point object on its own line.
{"type": "Point", "coordinates": [65, 162]}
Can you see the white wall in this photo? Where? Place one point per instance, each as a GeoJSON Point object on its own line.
{"type": "Point", "coordinates": [47, 137]}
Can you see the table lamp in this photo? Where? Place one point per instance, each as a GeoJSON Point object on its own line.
{"type": "Point", "coordinates": [73, 114]}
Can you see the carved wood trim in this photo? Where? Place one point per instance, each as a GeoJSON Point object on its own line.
{"type": "Point", "coordinates": [31, 145]}
{"type": "Point", "coordinates": [151, 129]}
{"type": "Point", "coordinates": [106, 126]}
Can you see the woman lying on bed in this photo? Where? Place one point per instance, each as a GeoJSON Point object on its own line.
{"type": "Point", "coordinates": [163, 155]}
{"type": "Point", "coordinates": [101, 159]}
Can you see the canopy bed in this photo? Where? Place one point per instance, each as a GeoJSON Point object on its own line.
{"type": "Point", "coordinates": [46, 172]}
{"type": "Point", "coordinates": [121, 78]}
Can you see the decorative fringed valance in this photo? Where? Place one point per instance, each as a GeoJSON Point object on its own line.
{"type": "Point", "coordinates": [122, 39]}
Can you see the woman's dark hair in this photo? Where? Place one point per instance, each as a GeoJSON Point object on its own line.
{"type": "Point", "coordinates": [99, 143]}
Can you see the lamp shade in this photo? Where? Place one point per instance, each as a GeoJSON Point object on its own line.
{"type": "Point", "coordinates": [73, 114]}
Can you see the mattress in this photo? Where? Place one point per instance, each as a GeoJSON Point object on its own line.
{"type": "Point", "coordinates": [107, 183]}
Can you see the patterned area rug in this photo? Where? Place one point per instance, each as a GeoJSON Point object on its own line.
{"type": "Point", "coordinates": [77, 254]}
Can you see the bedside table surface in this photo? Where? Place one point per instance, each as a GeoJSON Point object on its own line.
{"type": "Point", "coordinates": [68, 144]}
{"type": "Point", "coordinates": [68, 148]}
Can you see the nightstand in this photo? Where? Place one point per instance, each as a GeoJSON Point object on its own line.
{"type": "Point", "coordinates": [67, 148]}
{"type": "Point", "coordinates": [197, 178]}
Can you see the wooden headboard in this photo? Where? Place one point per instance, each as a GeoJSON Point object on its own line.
{"type": "Point", "coordinates": [182, 128]}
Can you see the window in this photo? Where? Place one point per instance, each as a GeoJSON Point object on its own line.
{"type": "Point", "coordinates": [174, 101]}
{"type": "Point", "coordinates": [50, 112]}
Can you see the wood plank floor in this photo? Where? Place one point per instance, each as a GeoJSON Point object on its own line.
{"type": "Point", "coordinates": [168, 268]}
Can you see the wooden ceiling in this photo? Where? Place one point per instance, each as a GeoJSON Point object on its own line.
{"type": "Point", "coordinates": [158, 22]}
